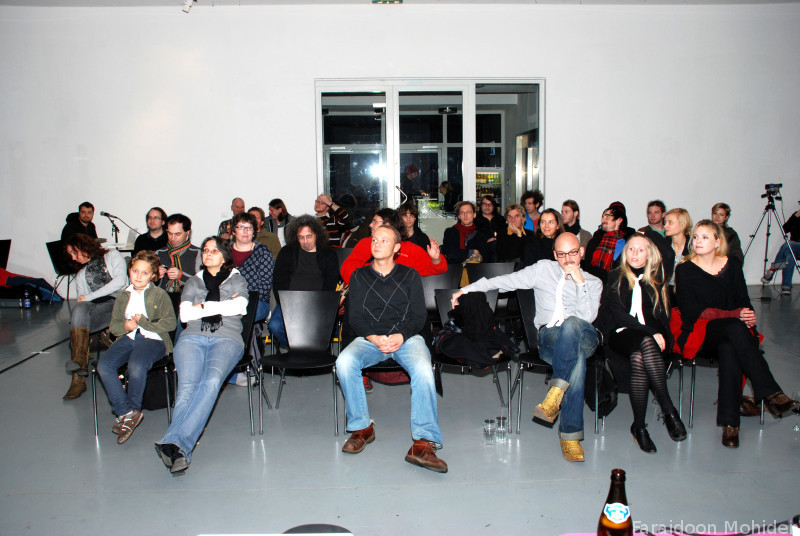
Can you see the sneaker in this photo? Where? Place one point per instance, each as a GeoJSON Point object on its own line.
{"type": "Point", "coordinates": [768, 275]}
{"type": "Point", "coordinates": [367, 384]}
{"type": "Point", "coordinates": [786, 291]}
{"type": "Point", "coordinates": [117, 425]}
{"type": "Point", "coordinates": [129, 423]}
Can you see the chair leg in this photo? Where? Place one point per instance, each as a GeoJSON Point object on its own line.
{"type": "Point", "coordinates": [597, 378]}
{"type": "Point", "coordinates": [248, 372]}
{"type": "Point", "coordinates": [508, 390]}
{"type": "Point", "coordinates": [497, 384]}
{"type": "Point", "coordinates": [260, 379]}
{"type": "Point", "coordinates": [280, 389]}
{"type": "Point", "coordinates": [169, 401]}
{"type": "Point", "coordinates": [762, 413]}
{"type": "Point", "coordinates": [94, 397]}
{"type": "Point", "coordinates": [519, 383]}
{"type": "Point", "coordinates": [680, 388]}
{"type": "Point", "coordinates": [335, 404]}
{"type": "Point", "coordinates": [691, 394]}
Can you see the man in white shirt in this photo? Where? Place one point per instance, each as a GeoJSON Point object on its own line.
{"type": "Point", "coordinates": [567, 300]}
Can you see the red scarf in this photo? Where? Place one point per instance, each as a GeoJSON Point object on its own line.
{"type": "Point", "coordinates": [463, 232]}
{"type": "Point", "coordinates": [603, 256]}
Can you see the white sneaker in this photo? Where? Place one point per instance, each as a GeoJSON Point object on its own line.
{"type": "Point", "coordinates": [241, 380]}
{"type": "Point", "coordinates": [786, 291]}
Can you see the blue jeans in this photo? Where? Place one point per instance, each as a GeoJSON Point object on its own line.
{"type": "Point", "coordinates": [566, 347]}
{"type": "Point", "coordinates": [415, 358]}
{"type": "Point", "coordinates": [277, 327]}
{"type": "Point", "coordinates": [787, 255]}
{"type": "Point", "coordinates": [140, 354]}
{"type": "Point", "coordinates": [202, 363]}
{"type": "Point", "coordinates": [262, 311]}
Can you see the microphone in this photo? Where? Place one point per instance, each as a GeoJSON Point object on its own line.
{"type": "Point", "coordinates": [107, 215]}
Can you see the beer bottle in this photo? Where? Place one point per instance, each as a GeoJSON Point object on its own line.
{"type": "Point", "coordinates": [615, 520]}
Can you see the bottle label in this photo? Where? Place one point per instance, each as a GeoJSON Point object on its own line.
{"type": "Point", "coordinates": [617, 512]}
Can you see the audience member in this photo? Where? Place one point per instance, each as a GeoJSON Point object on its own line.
{"type": "Point", "coordinates": [103, 275]}
{"type": "Point", "coordinates": [336, 219]}
{"type": "Point", "coordinates": [155, 238]}
{"type": "Point", "coordinates": [571, 219]}
{"type": "Point", "coordinates": [567, 300]}
{"type": "Point", "coordinates": [226, 227]}
{"type": "Point", "coordinates": [306, 262]}
{"type": "Point", "coordinates": [428, 261]}
{"type": "Point", "coordinates": [449, 195]}
{"type": "Point", "coordinates": [489, 221]}
{"type": "Point", "coordinates": [253, 260]}
{"type": "Point", "coordinates": [607, 243]}
{"type": "Point", "coordinates": [387, 312]}
{"type": "Point", "coordinates": [532, 201]}
{"type": "Point", "coordinates": [541, 244]}
{"type": "Point", "coordinates": [142, 319]}
{"type": "Point", "coordinates": [463, 240]}
{"type": "Point", "coordinates": [511, 242]}
{"type": "Point", "coordinates": [411, 232]}
{"type": "Point", "coordinates": [180, 259]}
{"type": "Point", "coordinates": [678, 228]}
{"type": "Point", "coordinates": [409, 182]}
{"type": "Point", "coordinates": [721, 213]}
{"type": "Point", "coordinates": [787, 254]}
{"type": "Point", "coordinates": [279, 218]}
{"type": "Point", "coordinates": [656, 210]}
{"type": "Point", "coordinates": [80, 222]}
{"type": "Point", "coordinates": [634, 318]}
{"type": "Point", "coordinates": [263, 236]}
{"type": "Point", "coordinates": [716, 314]}
{"type": "Point", "coordinates": [212, 306]}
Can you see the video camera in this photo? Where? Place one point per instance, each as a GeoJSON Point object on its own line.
{"type": "Point", "coordinates": [773, 190]}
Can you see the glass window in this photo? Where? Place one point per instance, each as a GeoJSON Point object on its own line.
{"type": "Point", "coordinates": [455, 125]}
{"type": "Point", "coordinates": [420, 128]}
{"type": "Point", "coordinates": [488, 128]}
{"type": "Point", "coordinates": [488, 157]}
{"type": "Point", "coordinates": [351, 129]}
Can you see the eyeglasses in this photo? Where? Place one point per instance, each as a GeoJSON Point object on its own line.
{"type": "Point", "coordinates": [563, 254]}
{"type": "Point", "coordinates": [378, 222]}
{"type": "Point", "coordinates": [466, 212]}
{"type": "Point", "coordinates": [207, 251]}
{"type": "Point", "coordinates": [244, 228]}
{"type": "Point", "coordinates": [154, 217]}
{"type": "Point", "coordinates": [487, 204]}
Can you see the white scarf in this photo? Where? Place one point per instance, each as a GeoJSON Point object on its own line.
{"type": "Point", "coordinates": [558, 312]}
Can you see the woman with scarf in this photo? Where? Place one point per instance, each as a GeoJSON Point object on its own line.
{"type": "Point", "coordinates": [212, 305]}
{"type": "Point", "coordinates": [540, 246]}
{"type": "Point", "coordinates": [102, 276]}
{"type": "Point", "coordinates": [463, 240]}
{"type": "Point", "coordinates": [716, 315]}
{"type": "Point", "coordinates": [634, 317]}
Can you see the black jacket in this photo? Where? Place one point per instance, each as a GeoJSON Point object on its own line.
{"type": "Point", "coordinates": [286, 264]}
{"type": "Point", "coordinates": [74, 226]}
{"type": "Point", "coordinates": [451, 246]}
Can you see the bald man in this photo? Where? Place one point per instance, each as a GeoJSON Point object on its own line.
{"type": "Point", "coordinates": [567, 300]}
{"type": "Point", "coordinates": [225, 227]}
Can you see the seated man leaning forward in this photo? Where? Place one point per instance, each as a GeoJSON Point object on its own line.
{"type": "Point", "coordinates": [567, 300]}
{"type": "Point", "coordinates": [387, 312]}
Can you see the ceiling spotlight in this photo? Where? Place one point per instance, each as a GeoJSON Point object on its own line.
{"type": "Point", "coordinates": [187, 5]}
{"type": "Point", "coordinates": [387, 1]}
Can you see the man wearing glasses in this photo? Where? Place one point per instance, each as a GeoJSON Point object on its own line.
{"type": "Point", "coordinates": [567, 300]}
{"type": "Point", "coordinates": [336, 219]}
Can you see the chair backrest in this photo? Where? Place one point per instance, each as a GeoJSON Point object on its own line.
{"type": "Point", "coordinates": [431, 283]}
{"type": "Point", "coordinates": [309, 316]}
{"type": "Point", "coordinates": [527, 308]}
{"type": "Point", "coordinates": [488, 270]}
{"type": "Point", "coordinates": [248, 320]}
{"type": "Point", "coordinates": [175, 298]}
{"type": "Point", "coordinates": [443, 297]}
{"type": "Point", "coordinates": [58, 258]}
{"type": "Point", "coordinates": [5, 249]}
{"type": "Point", "coordinates": [342, 254]}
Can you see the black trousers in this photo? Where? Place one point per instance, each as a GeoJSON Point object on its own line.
{"type": "Point", "coordinates": [737, 349]}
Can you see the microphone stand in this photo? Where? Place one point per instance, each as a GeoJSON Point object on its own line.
{"type": "Point", "coordinates": [115, 229]}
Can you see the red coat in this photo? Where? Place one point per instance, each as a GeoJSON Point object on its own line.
{"type": "Point", "coordinates": [410, 255]}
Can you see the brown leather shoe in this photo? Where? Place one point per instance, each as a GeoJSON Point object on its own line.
{"type": "Point", "coordinates": [423, 453]}
{"type": "Point", "coordinates": [778, 404]}
{"type": "Point", "coordinates": [359, 439]}
{"type": "Point", "coordinates": [730, 436]}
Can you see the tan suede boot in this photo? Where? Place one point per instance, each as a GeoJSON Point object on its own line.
{"type": "Point", "coordinates": [79, 346]}
{"type": "Point", "coordinates": [76, 388]}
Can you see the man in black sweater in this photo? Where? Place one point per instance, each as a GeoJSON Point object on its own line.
{"type": "Point", "coordinates": [387, 311]}
{"type": "Point", "coordinates": [80, 222]}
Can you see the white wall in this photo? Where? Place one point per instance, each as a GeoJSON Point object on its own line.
{"type": "Point", "coordinates": [134, 107]}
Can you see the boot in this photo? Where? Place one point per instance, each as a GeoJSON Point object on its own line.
{"type": "Point", "coordinates": [546, 413]}
{"type": "Point", "coordinates": [76, 388]}
{"type": "Point", "coordinates": [79, 345]}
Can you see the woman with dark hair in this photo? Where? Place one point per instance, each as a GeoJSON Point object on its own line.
{"type": "Point", "coordinates": [463, 240]}
{"type": "Point", "coordinates": [306, 262]}
{"type": "Point", "coordinates": [634, 317]}
{"type": "Point", "coordinates": [716, 315]}
{"type": "Point", "coordinates": [540, 245]}
{"type": "Point", "coordinates": [450, 196]}
{"type": "Point", "coordinates": [156, 237]}
{"type": "Point", "coordinates": [212, 305]}
{"type": "Point", "coordinates": [409, 219]}
{"type": "Point", "coordinates": [142, 319]}
{"type": "Point", "coordinates": [489, 221]}
{"type": "Point", "coordinates": [102, 276]}
{"type": "Point", "coordinates": [253, 259]}
{"type": "Point", "coordinates": [279, 218]}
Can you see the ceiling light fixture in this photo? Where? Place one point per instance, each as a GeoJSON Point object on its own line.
{"type": "Point", "coordinates": [387, 1]}
{"type": "Point", "coordinates": [187, 5]}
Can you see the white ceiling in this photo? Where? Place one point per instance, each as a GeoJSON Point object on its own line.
{"type": "Point", "coordinates": [212, 3]}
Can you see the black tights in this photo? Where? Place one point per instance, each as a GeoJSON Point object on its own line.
{"type": "Point", "coordinates": [647, 371]}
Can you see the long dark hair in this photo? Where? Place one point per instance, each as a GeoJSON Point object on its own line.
{"type": "Point", "coordinates": [278, 204]}
{"type": "Point", "coordinates": [86, 245]}
{"type": "Point", "coordinates": [306, 220]}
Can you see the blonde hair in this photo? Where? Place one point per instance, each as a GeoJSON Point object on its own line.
{"type": "Point", "coordinates": [684, 219]}
{"type": "Point", "coordinates": [718, 233]}
{"type": "Point", "coordinates": [653, 275]}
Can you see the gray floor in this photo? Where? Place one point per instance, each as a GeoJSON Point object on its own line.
{"type": "Point", "coordinates": [56, 479]}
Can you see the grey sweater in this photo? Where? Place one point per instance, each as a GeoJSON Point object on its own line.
{"type": "Point", "coordinates": [231, 308]}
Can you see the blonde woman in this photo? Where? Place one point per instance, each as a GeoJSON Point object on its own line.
{"type": "Point", "coordinates": [634, 316]}
{"type": "Point", "coordinates": [678, 228]}
{"type": "Point", "coordinates": [716, 314]}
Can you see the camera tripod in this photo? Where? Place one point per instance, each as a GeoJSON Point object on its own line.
{"type": "Point", "coordinates": [769, 213]}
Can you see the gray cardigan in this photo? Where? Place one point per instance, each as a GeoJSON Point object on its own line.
{"type": "Point", "coordinates": [231, 308]}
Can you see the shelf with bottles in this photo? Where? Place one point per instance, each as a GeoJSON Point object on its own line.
{"type": "Point", "coordinates": [488, 178]}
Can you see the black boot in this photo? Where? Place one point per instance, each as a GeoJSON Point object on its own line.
{"type": "Point", "coordinates": [675, 427]}
{"type": "Point", "coordinates": [641, 437]}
